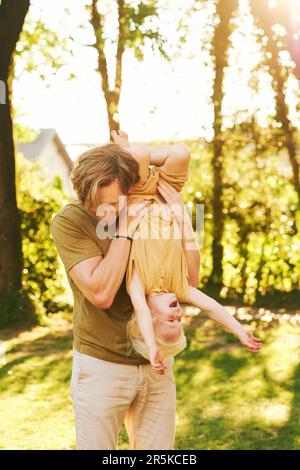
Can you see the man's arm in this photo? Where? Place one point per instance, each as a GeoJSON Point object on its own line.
{"type": "Point", "coordinates": [97, 277]}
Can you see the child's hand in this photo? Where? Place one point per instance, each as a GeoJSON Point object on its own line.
{"type": "Point", "coordinates": [252, 343]}
{"type": "Point", "coordinates": [120, 138]}
{"type": "Point", "coordinates": [157, 361]}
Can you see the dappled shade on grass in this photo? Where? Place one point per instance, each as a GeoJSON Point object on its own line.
{"type": "Point", "coordinates": [227, 398]}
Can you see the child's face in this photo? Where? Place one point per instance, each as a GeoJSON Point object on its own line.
{"type": "Point", "coordinates": [166, 312]}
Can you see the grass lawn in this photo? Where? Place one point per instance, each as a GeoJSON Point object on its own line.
{"type": "Point", "coordinates": [227, 398]}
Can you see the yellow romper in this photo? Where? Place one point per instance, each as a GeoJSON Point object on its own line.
{"type": "Point", "coordinates": [157, 252]}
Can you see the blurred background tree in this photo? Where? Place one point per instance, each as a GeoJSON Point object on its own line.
{"type": "Point", "coordinates": [135, 27]}
{"type": "Point", "coordinates": [267, 18]}
{"type": "Point", "coordinates": [223, 27]}
{"type": "Point", "coordinates": [12, 17]}
{"type": "Point", "coordinates": [230, 150]}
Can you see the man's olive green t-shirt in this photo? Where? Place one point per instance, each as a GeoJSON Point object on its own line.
{"type": "Point", "coordinates": [97, 332]}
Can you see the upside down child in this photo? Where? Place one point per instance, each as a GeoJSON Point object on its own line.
{"type": "Point", "coordinates": [160, 272]}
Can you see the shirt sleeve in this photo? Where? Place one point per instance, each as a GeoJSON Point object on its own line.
{"type": "Point", "coordinates": [177, 180]}
{"type": "Point", "coordinates": [72, 243]}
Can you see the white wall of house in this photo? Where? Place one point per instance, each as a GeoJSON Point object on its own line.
{"type": "Point", "coordinates": [52, 164]}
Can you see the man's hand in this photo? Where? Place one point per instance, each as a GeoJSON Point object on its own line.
{"type": "Point", "coordinates": [157, 361]}
{"type": "Point", "coordinates": [129, 219]}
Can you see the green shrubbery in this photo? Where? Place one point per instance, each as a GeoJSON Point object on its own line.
{"type": "Point", "coordinates": [43, 278]}
{"type": "Point", "coordinates": [39, 200]}
{"type": "Point", "coordinates": [261, 239]}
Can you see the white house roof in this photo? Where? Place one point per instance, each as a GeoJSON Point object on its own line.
{"type": "Point", "coordinates": [34, 149]}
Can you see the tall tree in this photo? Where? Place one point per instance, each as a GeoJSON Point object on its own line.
{"type": "Point", "coordinates": [12, 16]}
{"type": "Point", "coordinates": [132, 33]}
{"type": "Point", "coordinates": [224, 11]}
{"type": "Point", "coordinates": [266, 18]}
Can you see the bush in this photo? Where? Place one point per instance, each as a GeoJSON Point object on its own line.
{"type": "Point", "coordinates": [261, 237]}
{"type": "Point", "coordinates": [38, 200]}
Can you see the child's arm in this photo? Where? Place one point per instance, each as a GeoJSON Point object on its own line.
{"type": "Point", "coordinates": [190, 248]}
{"type": "Point", "coordinates": [189, 243]}
{"type": "Point", "coordinates": [144, 320]}
{"type": "Point", "coordinates": [219, 314]}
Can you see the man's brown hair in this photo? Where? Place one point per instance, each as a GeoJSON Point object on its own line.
{"type": "Point", "coordinates": [100, 166]}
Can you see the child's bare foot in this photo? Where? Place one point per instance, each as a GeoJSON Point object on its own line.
{"type": "Point", "coordinates": [120, 138]}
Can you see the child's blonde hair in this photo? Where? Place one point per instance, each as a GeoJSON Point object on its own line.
{"type": "Point", "coordinates": [167, 348]}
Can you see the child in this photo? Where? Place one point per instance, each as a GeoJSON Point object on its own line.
{"type": "Point", "coordinates": [157, 276]}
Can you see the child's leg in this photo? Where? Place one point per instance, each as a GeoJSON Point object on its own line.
{"type": "Point", "coordinates": [139, 151]}
{"type": "Point", "coordinates": [218, 313]}
{"type": "Point", "coordinates": [171, 159]}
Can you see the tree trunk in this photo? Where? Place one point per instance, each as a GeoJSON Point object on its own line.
{"type": "Point", "coordinates": [225, 9]}
{"type": "Point", "coordinates": [12, 16]}
{"type": "Point", "coordinates": [265, 19]}
{"type": "Point", "coordinates": [112, 97]}
{"type": "Point", "coordinates": [10, 237]}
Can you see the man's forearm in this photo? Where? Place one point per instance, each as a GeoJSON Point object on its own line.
{"type": "Point", "coordinates": [105, 277]}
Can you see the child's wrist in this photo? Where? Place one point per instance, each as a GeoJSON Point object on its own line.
{"type": "Point", "coordinates": [239, 332]}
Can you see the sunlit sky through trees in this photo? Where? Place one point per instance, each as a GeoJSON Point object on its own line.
{"type": "Point", "coordinates": [159, 100]}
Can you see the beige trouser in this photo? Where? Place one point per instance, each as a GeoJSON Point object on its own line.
{"type": "Point", "coordinates": [106, 394]}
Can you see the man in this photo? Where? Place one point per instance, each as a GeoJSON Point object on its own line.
{"type": "Point", "coordinates": [109, 384]}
